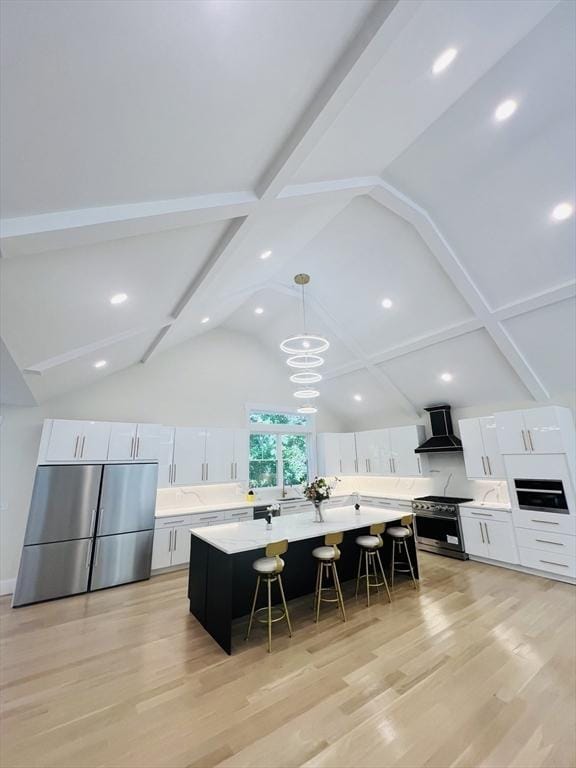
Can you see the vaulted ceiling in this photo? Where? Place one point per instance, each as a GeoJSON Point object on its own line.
{"type": "Point", "coordinates": [160, 148]}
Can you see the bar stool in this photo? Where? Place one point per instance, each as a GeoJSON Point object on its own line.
{"type": "Point", "coordinates": [269, 569]}
{"type": "Point", "coordinates": [327, 557]}
{"type": "Point", "coordinates": [399, 534]}
{"type": "Point", "coordinates": [369, 546]}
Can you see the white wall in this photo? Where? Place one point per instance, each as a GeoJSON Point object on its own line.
{"type": "Point", "coordinates": [206, 381]}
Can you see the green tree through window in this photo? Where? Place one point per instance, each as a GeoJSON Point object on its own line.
{"type": "Point", "coordinates": [295, 459]}
{"type": "Point", "coordinates": [263, 460]}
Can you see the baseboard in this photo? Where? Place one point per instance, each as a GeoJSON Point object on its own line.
{"type": "Point", "coordinates": [524, 569]}
{"type": "Point", "coordinates": [7, 586]}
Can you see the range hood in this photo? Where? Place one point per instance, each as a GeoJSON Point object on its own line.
{"type": "Point", "coordinates": [443, 440]}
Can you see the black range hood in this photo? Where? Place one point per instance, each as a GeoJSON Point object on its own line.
{"type": "Point", "coordinates": [443, 440]}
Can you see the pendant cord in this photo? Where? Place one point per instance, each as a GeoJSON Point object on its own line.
{"type": "Point", "coordinates": [303, 310]}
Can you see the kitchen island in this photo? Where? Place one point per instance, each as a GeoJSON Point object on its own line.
{"type": "Point", "coordinates": [221, 579]}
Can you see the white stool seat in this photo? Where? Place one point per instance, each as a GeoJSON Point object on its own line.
{"type": "Point", "coordinates": [399, 532]}
{"type": "Point", "coordinates": [267, 565]}
{"type": "Point", "coordinates": [324, 553]}
{"type": "Point", "coordinates": [368, 542]}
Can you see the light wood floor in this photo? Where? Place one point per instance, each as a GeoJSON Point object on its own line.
{"type": "Point", "coordinates": [475, 669]}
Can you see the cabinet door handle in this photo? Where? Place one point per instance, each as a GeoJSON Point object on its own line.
{"type": "Point", "coordinates": [175, 537]}
{"type": "Point", "coordinates": [207, 465]}
{"type": "Point", "coordinates": [169, 474]}
{"type": "Point", "coordinates": [173, 473]}
{"type": "Point", "coordinates": [484, 465]}
{"type": "Point", "coordinates": [551, 562]}
{"type": "Point", "coordinates": [76, 446]}
{"type": "Point", "coordinates": [482, 533]}
{"type": "Point", "coordinates": [419, 467]}
{"type": "Point", "coordinates": [170, 540]}
{"type": "Point", "coordinates": [483, 514]}
{"type": "Point", "coordinates": [487, 534]}
{"type": "Point", "coordinates": [236, 470]}
{"type": "Point", "coordinates": [82, 448]}
{"type": "Point", "coordinates": [489, 465]}
{"type": "Point", "coordinates": [137, 447]}
{"type": "Point", "coordinates": [548, 522]}
{"type": "Point", "coordinates": [530, 440]}
{"type": "Point", "coordinates": [340, 466]}
{"type": "Point", "coordinates": [524, 440]}
{"type": "Point", "coordinates": [546, 541]}
{"type": "Point", "coordinates": [231, 470]}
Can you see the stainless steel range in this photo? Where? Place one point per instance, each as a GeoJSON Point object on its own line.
{"type": "Point", "coordinates": [437, 524]}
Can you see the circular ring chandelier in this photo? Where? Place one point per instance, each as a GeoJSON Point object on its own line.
{"type": "Point", "coordinates": [305, 377]}
{"type": "Point", "coordinates": [304, 343]}
{"type": "Point", "coordinates": [305, 361]}
{"type": "Point", "coordinates": [307, 409]}
{"type": "Point", "coordinates": [306, 394]}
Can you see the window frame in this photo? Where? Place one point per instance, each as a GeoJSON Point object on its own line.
{"type": "Point", "coordinates": [308, 429]}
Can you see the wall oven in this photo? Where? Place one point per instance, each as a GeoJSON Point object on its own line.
{"type": "Point", "coordinates": [541, 495]}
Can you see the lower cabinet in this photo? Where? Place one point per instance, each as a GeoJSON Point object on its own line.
{"type": "Point", "coordinates": [492, 539]}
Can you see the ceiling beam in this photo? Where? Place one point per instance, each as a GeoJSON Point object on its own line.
{"type": "Point", "coordinates": [25, 235]}
{"type": "Point", "coordinates": [95, 346]}
{"type": "Point", "coordinates": [370, 44]}
{"type": "Point", "coordinates": [538, 301]}
{"type": "Point", "coordinates": [396, 201]}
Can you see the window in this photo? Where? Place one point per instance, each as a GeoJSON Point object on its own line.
{"type": "Point", "coordinates": [295, 419]}
{"type": "Point", "coordinates": [279, 448]}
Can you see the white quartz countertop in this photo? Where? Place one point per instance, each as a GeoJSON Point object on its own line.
{"type": "Point", "coordinates": [232, 538]}
{"type": "Point", "coordinates": [487, 505]}
{"type": "Point", "coordinates": [198, 509]}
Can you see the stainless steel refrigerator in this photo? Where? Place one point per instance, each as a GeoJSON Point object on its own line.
{"type": "Point", "coordinates": [90, 526]}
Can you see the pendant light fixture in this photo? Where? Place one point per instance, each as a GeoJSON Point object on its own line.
{"type": "Point", "coordinates": [304, 354]}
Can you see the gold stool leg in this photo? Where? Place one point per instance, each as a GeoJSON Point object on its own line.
{"type": "Point", "coordinates": [392, 569]}
{"type": "Point", "coordinates": [319, 594]}
{"type": "Point", "coordinates": [253, 607]}
{"type": "Point", "coordinates": [367, 577]}
{"type": "Point", "coordinates": [338, 590]}
{"type": "Point", "coordinates": [284, 604]}
{"type": "Point", "coordinates": [358, 574]}
{"type": "Point", "coordinates": [317, 583]}
{"type": "Point", "coordinates": [269, 614]}
{"type": "Point", "coordinates": [410, 565]}
{"type": "Point", "coordinates": [372, 558]}
{"type": "Point", "coordinates": [383, 575]}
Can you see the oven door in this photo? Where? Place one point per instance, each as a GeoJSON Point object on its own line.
{"type": "Point", "coordinates": [541, 496]}
{"type": "Point", "coordinates": [436, 532]}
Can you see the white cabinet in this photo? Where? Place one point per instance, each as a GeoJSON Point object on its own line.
{"type": "Point", "coordinates": [122, 441]}
{"type": "Point", "coordinates": [72, 440]}
{"type": "Point", "coordinates": [180, 545]}
{"type": "Point", "coordinates": [368, 452]}
{"type": "Point", "coordinates": [188, 466]}
{"type": "Point", "coordinates": [481, 450]}
{"type": "Point", "coordinates": [403, 443]}
{"type": "Point", "coordinates": [537, 430]}
{"type": "Point", "coordinates": [241, 455]}
{"type": "Point", "coordinates": [492, 539]}
{"type": "Point", "coordinates": [489, 533]}
{"type": "Point", "coordinates": [165, 456]}
{"type": "Point", "coordinates": [162, 548]}
{"type": "Point", "coordinates": [219, 456]}
{"type": "Point", "coordinates": [337, 453]}
{"type": "Point", "coordinates": [147, 445]}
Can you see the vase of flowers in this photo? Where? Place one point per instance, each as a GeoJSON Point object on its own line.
{"type": "Point", "coordinates": [318, 491]}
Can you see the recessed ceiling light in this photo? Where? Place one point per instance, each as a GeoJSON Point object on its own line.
{"type": "Point", "coordinates": [505, 110]}
{"type": "Point", "coordinates": [100, 364]}
{"type": "Point", "coordinates": [258, 311]}
{"type": "Point", "coordinates": [446, 376]}
{"type": "Point", "coordinates": [205, 320]}
{"type": "Point", "coordinates": [386, 303]}
{"type": "Point", "coordinates": [265, 255]}
{"type": "Point", "coordinates": [444, 60]}
{"type": "Point", "coordinates": [118, 298]}
{"type": "Point", "coordinates": [562, 211]}
{"type": "Point", "coordinates": [358, 398]}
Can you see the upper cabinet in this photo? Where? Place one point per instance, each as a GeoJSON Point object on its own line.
{"type": "Point", "coordinates": [481, 450]}
{"type": "Point", "coordinates": [373, 452]}
{"type": "Point", "coordinates": [71, 441]}
{"type": "Point", "coordinates": [337, 453]}
{"type": "Point", "coordinates": [537, 430]}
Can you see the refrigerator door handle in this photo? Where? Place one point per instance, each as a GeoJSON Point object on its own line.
{"type": "Point", "coordinates": [92, 518]}
{"type": "Point", "coordinates": [89, 555]}
{"type": "Point", "coordinates": [96, 552]}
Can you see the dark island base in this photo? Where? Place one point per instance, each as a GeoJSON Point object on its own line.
{"type": "Point", "coordinates": [221, 586]}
